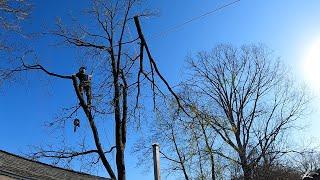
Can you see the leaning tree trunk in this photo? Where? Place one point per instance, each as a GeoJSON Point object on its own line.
{"type": "Point", "coordinates": [94, 129]}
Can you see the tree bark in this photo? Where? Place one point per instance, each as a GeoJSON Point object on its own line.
{"type": "Point", "coordinates": [246, 172]}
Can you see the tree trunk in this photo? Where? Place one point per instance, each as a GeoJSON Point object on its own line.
{"type": "Point", "coordinates": [119, 134]}
{"type": "Point", "coordinates": [247, 175]}
{"type": "Point", "coordinates": [213, 176]}
{"type": "Point", "coordinates": [120, 163]}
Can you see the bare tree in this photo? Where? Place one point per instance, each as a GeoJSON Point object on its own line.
{"type": "Point", "coordinates": [241, 106]}
{"type": "Point", "coordinates": [248, 100]}
{"type": "Point", "coordinates": [122, 72]}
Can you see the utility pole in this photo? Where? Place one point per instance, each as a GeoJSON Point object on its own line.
{"type": "Point", "coordinates": [156, 161]}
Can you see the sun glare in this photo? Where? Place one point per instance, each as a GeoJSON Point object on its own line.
{"type": "Point", "coordinates": [311, 66]}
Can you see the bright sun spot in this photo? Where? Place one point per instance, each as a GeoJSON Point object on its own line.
{"type": "Point", "coordinates": [311, 66]}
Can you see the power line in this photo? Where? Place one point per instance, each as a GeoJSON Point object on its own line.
{"type": "Point", "coordinates": [193, 19]}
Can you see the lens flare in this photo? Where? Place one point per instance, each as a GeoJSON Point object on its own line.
{"type": "Point", "coordinates": [311, 66]}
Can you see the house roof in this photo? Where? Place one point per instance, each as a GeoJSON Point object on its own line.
{"type": "Point", "coordinates": [18, 167]}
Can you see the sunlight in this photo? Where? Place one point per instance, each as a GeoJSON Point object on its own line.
{"type": "Point", "coordinates": [311, 66]}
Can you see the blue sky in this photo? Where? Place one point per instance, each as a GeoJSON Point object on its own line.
{"type": "Point", "coordinates": [290, 27]}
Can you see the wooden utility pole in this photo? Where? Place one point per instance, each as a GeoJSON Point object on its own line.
{"type": "Point", "coordinates": [156, 161]}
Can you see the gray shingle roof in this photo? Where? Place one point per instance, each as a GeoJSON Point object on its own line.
{"type": "Point", "coordinates": [18, 167]}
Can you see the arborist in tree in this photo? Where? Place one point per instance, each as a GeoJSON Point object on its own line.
{"type": "Point", "coordinates": [85, 84]}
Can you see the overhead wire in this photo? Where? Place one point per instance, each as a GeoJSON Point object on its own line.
{"type": "Point", "coordinates": [193, 19]}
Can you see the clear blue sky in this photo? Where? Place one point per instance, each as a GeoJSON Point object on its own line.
{"type": "Point", "coordinates": [290, 27]}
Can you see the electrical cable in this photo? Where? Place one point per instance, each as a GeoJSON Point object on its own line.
{"type": "Point", "coordinates": [192, 19]}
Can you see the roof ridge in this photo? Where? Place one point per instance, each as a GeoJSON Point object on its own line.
{"type": "Point", "coordinates": [52, 166]}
